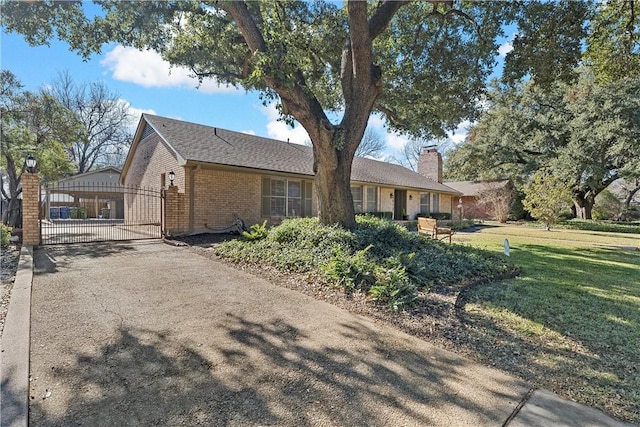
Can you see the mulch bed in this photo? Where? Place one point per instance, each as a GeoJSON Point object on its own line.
{"type": "Point", "coordinates": [9, 259]}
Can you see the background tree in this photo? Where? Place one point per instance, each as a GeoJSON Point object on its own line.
{"type": "Point", "coordinates": [423, 65]}
{"type": "Point", "coordinates": [587, 133]}
{"type": "Point", "coordinates": [607, 206]}
{"type": "Point", "coordinates": [497, 199]}
{"type": "Point", "coordinates": [104, 118]}
{"type": "Point", "coordinates": [613, 44]}
{"type": "Point", "coordinates": [547, 197]}
{"type": "Point", "coordinates": [33, 124]}
{"type": "Point", "coordinates": [372, 144]}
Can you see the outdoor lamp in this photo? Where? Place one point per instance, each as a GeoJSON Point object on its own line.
{"type": "Point", "coordinates": [391, 195]}
{"type": "Point", "coordinates": [410, 197]}
{"type": "Point", "coordinates": [172, 176]}
{"type": "Point", "coordinates": [30, 162]}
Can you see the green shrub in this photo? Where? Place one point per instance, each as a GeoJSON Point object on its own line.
{"type": "Point", "coordinates": [392, 287]}
{"type": "Point", "coordinates": [256, 232]}
{"type": "Point", "coordinates": [435, 215]}
{"type": "Point", "coordinates": [604, 226]}
{"type": "Point", "coordinates": [5, 234]}
{"type": "Point", "coordinates": [378, 257]}
{"type": "Point", "coordinates": [381, 215]}
{"type": "Point", "coordinates": [351, 271]}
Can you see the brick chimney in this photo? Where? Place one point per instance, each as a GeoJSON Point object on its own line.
{"type": "Point", "coordinates": [430, 164]}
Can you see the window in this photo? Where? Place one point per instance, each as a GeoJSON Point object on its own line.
{"type": "Point", "coordinates": [356, 193]}
{"type": "Point", "coordinates": [372, 199]}
{"type": "Point", "coordinates": [436, 202]}
{"type": "Point", "coordinates": [294, 198]}
{"type": "Point", "coordinates": [282, 197]}
{"type": "Point", "coordinates": [425, 202]}
{"type": "Point", "coordinates": [308, 203]}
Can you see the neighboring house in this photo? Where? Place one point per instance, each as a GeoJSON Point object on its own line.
{"type": "Point", "coordinates": [475, 202]}
{"type": "Point", "coordinates": [219, 173]}
{"type": "Point", "coordinates": [98, 193]}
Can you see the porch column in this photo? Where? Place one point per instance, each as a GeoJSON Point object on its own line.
{"type": "Point", "coordinates": [30, 209]}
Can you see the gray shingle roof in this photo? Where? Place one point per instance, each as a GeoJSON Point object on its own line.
{"type": "Point", "coordinates": [201, 143]}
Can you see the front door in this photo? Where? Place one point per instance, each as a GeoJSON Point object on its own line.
{"type": "Point", "coordinates": [399, 204]}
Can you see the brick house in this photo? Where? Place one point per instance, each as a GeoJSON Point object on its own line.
{"type": "Point", "coordinates": [471, 203]}
{"type": "Point", "coordinates": [219, 173]}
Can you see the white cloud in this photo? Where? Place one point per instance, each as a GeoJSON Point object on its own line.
{"type": "Point", "coordinates": [248, 132]}
{"type": "Point", "coordinates": [396, 141]}
{"type": "Point", "coordinates": [460, 133]}
{"type": "Point", "coordinates": [505, 48]}
{"type": "Point", "coordinates": [148, 69]}
{"type": "Point", "coordinates": [282, 131]}
{"type": "Point", "coordinates": [134, 114]}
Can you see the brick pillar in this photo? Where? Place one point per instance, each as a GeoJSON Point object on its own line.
{"type": "Point", "coordinates": [175, 213]}
{"type": "Point", "coordinates": [30, 209]}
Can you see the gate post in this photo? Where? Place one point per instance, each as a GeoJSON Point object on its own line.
{"type": "Point", "coordinates": [171, 212]}
{"type": "Point", "coordinates": [30, 209]}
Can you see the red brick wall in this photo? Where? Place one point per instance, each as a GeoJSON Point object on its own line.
{"type": "Point", "coordinates": [30, 209]}
{"type": "Point", "coordinates": [151, 159]}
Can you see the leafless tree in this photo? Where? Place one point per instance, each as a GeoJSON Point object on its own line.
{"type": "Point", "coordinates": [105, 120]}
{"type": "Point", "coordinates": [372, 144]}
{"type": "Point", "coordinates": [496, 197]}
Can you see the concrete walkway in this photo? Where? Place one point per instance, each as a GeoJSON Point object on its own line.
{"type": "Point", "coordinates": [149, 334]}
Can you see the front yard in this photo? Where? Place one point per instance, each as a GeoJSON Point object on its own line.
{"type": "Point", "coordinates": [571, 322]}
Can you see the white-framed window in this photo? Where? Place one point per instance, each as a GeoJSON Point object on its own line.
{"type": "Point", "coordinates": [283, 197]}
{"type": "Point", "coordinates": [425, 202]}
{"type": "Point", "coordinates": [436, 203]}
{"type": "Point", "coordinates": [356, 194]}
{"type": "Point", "coordinates": [372, 199]}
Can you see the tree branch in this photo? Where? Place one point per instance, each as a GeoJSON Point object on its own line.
{"type": "Point", "coordinates": [382, 16]}
{"type": "Point", "coordinates": [250, 31]}
{"type": "Point", "coordinates": [392, 116]}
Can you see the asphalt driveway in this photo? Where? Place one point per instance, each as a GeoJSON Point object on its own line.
{"type": "Point", "coordinates": [149, 334]}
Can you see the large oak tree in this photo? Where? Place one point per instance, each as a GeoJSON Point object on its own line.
{"type": "Point", "coordinates": [587, 133]}
{"type": "Point", "coordinates": [421, 64]}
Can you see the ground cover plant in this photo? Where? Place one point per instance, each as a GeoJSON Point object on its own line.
{"type": "Point", "coordinates": [385, 261]}
{"type": "Point", "coordinates": [571, 322]}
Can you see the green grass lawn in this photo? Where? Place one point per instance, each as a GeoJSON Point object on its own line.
{"type": "Point", "coordinates": [572, 317]}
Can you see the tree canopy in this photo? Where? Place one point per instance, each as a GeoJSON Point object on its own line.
{"type": "Point", "coordinates": [36, 124]}
{"type": "Point", "coordinates": [587, 133]}
{"type": "Point", "coordinates": [423, 65]}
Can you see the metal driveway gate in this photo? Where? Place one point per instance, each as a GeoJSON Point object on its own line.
{"type": "Point", "coordinates": [77, 213]}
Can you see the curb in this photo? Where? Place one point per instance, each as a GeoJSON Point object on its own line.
{"type": "Point", "coordinates": [15, 345]}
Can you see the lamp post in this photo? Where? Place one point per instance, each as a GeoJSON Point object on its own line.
{"type": "Point", "coordinates": [172, 176]}
{"type": "Point", "coordinates": [30, 162]}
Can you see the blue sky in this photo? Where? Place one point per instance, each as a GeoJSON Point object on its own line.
{"type": "Point", "coordinates": [150, 85]}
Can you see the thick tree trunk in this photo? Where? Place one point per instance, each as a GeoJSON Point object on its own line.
{"type": "Point", "coordinates": [583, 206]}
{"type": "Point", "coordinates": [332, 165]}
{"type": "Point", "coordinates": [14, 213]}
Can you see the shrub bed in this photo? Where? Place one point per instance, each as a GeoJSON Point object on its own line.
{"type": "Point", "coordinates": [386, 261]}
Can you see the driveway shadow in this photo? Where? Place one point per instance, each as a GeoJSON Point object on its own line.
{"type": "Point", "coordinates": [144, 378]}
{"type": "Point", "coordinates": [270, 374]}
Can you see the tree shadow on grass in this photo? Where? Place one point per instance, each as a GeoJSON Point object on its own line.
{"type": "Point", "coordinates": [590, 299]}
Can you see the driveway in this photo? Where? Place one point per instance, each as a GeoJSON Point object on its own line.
{"type": "Point", "coordinates": [149, 334]}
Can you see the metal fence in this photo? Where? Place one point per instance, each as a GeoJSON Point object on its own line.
{"type": "Point", "coordinates": [72, 212]}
